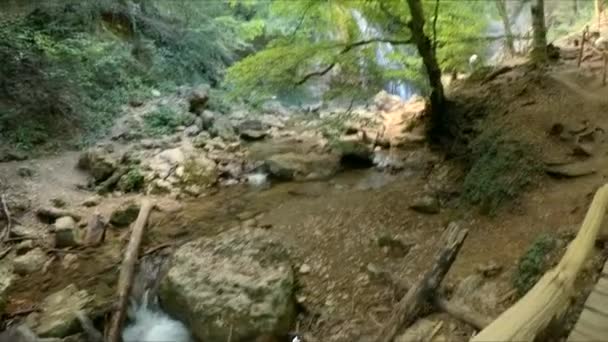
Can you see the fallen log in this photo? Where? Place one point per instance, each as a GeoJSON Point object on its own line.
{"type": "Point", "coordinates": [411, 304]}
{"type": "Point", "coordinates": [125, 279]}
{"type": "Point", "coordinates": [460, 312]}
{"type": "Point", "coordinates": [50, 214]}
{"type": "Point", "coordinates": [552, 294]}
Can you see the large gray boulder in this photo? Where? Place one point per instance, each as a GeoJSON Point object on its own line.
{"type": "Point", "coordinates": [300, 167]}
{"type": "Point", "coordinates": [223, 128]}
{"type": "Point", "coordinates": [57, 317]}
{"type": "Point", "coordinates": [30, 262]}
{"type": "Point", "coordinates": [98, 162]}
{"type": "Point", "coordinates": [240, 284]}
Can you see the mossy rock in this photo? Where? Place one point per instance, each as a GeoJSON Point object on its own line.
{"type": "Point", "coordinates": [125, 214]}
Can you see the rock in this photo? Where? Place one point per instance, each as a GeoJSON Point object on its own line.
{"type": "Point", "coordinates": [274, 107]}
{"type": "Point", "coordinates": [198, 99]}
{"type": "Point", "coordinates": [125, 214]}
{"type": "Point", "coordinates": [419, 332]}
{"type": "Point", "coordinates": [69, 261]}
{"type": "Point", "coordinates": [222, 127]}
{"type": "Point", "coordinates": [354, 151]}
{"type": "Point", "coordinates": [293, 166]}
{"type": "Point", "coordinates": [65, 222]}
{"type": "Point", "coordinates": [24, 247]}
{"type": "Point", "coordinates": [489, 270]}
{"type": "Point", "coordinates": [25, 172]}
{"type": "Point", "coordinates": [199, 170]}
{"type": "Point", "coordinates": [98, 163]}
{"type": "Point", "coordinates": [13, 155]}
{"type": "Point", "coordinates": [155, 93]}
{"type": "Point", "coordinates": [208, 118]}
{"type": "Point", "coordinates": [92, 201]}
{"type": "Point", "coordinates": [58, 202]}
{"type": "Point", "coordinates": [394, 247]}
{"type": "Point", "coordinates": [193, 190]}
{"type": "Point", "coordinates": [426, 204]}
{"type": "Point", "coordinates": [305, 269]}
{"type": "Point", "coordinates": [192, 130]}
{"type": "Point", "coordinates": [64, 238]}
{"type": "Point", "coordinates": [238, 284]}
{"type": "Point", "coordinates": [6, 280]}
{"type": "Point", "coordinates": [166, 161]}
{"type": "Point", "coordinates": [57, 317]}
{"type": "Point", "coordinates": [252, 130]}
{"type": "Point", "coordinates": [29, 262]}
{"type": "Point", "coordinates": [477, 293]}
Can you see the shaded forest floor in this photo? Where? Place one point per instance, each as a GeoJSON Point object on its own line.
{"type": "Point", "coordinates": [333, 228]}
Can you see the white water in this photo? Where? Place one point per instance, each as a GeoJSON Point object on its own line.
{"type": "Point", "coordinates": [401, 88]}
{"type": "Point", "coordinates": [151, 324]}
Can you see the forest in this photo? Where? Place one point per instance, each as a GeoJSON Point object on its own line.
{"type": "Point", "coordinates": [303, 170]}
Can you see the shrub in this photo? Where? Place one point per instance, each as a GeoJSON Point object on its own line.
{"type": "Point", "coordinates": [164, 120]}
{"type": "Point", "coordinates": [499, 170]}
{"type": "Point", "coordinates": [132, 181]}
{"type": "Point", "coordinates": [533, 263]}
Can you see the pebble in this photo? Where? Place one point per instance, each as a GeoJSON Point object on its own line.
{"type": "Point", "coordinates": [305, 269]}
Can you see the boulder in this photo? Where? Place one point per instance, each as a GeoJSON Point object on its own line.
{"type": "Point", "coordinates": [354, 151]}
{"type": "Point", "coordinates": [294, 166]}
{"type": "Point", "coordinates": [198, 170]}
{"type": "Point", "coordinates": [6, 280]}
{"type": "Point", "coordinates": [252, 130]}
{"type": "Point", "coordinates": [274, 107]}
{"type": "Point", "coordinates": [92, 201]}
{"type": "Point", "coordinates": [192, 130]}
{"type": "Point", "coordinates": [29, 262]}
{"type": "Point", "coordinates": [238, 284]}
{"type": "Point", "coordinates": [125, 214]}
{"type": "Point", "coordinates": [476, 292]}
{"type": "Point", "coordinates": [208, 118]}
{"type": "Point", "coordinates": [98, 163]}
{"type": "Point", "coordinates": [166, 161]}
{"type": "Point", "coordinates": [426, 204]}
{"type": "Point", "coordinates": [66, 232]}
{"type": "Point", "coordinates": [57, 316]}
{"type": "Point", "coordinates": [223, 128]}
{"type": "Point", "coordinates": [198, 99]}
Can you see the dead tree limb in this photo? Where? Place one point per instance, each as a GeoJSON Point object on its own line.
{"type": "Point", "coordinates": [107, 185]}
{"type": "Point", "coordinates": [460, 312]}
{"type": "Point", "coordinates": [125, 279]}
{"type": "Point", "coordinates": [7, 231]}
{"type": "Point", "coordinates": [410, 305]}
{"type": "Point", "coordinates": [552, 294]}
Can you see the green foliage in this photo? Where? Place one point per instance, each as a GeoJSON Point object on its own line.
{"type": "Point", "coordinates": [533, 263]}
{"type": "Point", "coordinates": [164, 120]}
{"type": "Point", "coordinates": [315, 38]}
{"type": "Point", "coordinates": [132, 181]}
{"type": "Point", "coordinates": [500, 169]}
{"type": "Point", "coordinates": [68, 66]}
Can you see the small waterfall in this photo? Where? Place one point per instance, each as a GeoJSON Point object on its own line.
{"type": "Point", "coordinates": [402, 88]}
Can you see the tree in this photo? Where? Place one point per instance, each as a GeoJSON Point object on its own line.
{"type": "Point", "coordinates": [539, 34]}
{"type": "Point", "coordinates": [501, 6]}
{"type": "Point", "coordinates": [598, 11]}
{"type": "Point", "coordinates": [426, 51]}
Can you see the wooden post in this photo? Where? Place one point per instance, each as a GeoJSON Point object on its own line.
{"type": "Point", "coordinates": [418, 295]}
{"type": "Point", "coordinates": [125, 280]}
{"type": "Point", "coordinates": [550, 297]}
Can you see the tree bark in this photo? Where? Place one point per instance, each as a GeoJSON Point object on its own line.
{"type": "Point", "coordinates": [539, 41]}
{"type": "Point", "coordinates": [422, 292]}
{"type": "Point", "coordinates": [425, 50]}
{"type": "Point", "coordinates": [125, 279]}
{"type": "Point", "coordinates": [501, 6]}
{"type": "Point", "coordinates": [552, 294]}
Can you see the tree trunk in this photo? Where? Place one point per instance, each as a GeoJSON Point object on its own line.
{"type": "Point", "coordinates": [501, 6]}
{"type": "Point", "coordinates": [425, 50]}
{"type": "Point", "coordinates": [575, 7]}
{"type": "Point", "coordinates": [539, 37]}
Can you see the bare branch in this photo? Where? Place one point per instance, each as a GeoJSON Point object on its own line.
{"type": "Point", "coordinates": [316, 73]}
{"type": "Point", "coordinates": [435, 26]}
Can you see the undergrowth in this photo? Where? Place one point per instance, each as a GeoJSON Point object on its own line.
{"type": "Point", "coordinates": [164, 120]}
{"type": "Point", "coordinates": [533, 263]}
{"type": "Point", "coordinates": [500, 169]}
